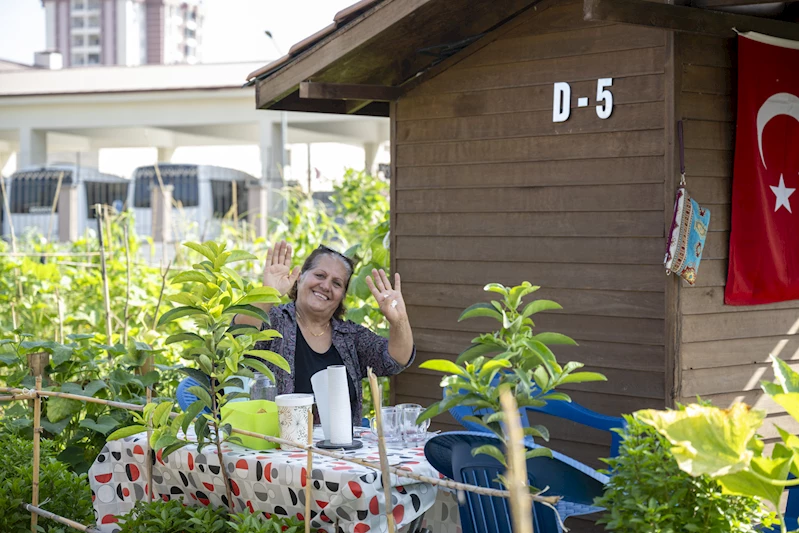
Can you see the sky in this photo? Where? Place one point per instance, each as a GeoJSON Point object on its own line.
{"type": "Point", "coordinates": [233, 30]}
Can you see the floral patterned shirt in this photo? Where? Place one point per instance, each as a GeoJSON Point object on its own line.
{"type": "Point", "coordinates": [359, 348]}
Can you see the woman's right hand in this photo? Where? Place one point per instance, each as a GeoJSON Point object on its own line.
{"type": "Point", "coordinates": [277, 269]}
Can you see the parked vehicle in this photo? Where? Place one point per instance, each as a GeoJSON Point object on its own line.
{"type": "Point", "coordinates": [202, 195]}
{"type": "Point", "coordinates": [32, 191]}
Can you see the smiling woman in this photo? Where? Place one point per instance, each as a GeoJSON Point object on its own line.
{"type": "Point", "coordinates": [315, 334]}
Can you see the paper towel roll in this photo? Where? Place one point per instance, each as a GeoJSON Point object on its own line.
{"type": "Point", "coordinates": [339, 410]}
{"type": "Point", "coordinates": [319, 385]}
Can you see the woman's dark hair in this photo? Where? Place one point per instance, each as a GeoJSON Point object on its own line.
{"type": "Point", "coordinates": [312, 261]}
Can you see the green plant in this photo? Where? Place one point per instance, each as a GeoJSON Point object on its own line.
{"type": "Point", "coordinates": [61, 491]}
{"type": "Point", "coordinates": [255, 523]}
{"type": "Point", "coordinates": [173, 517]}
{"type": "Point", "coordinates": [724, 443]}
{"type": "Point", "coordinates": [648, 493]}
{"type": "Point", "coordinates": [521, 363]}
{"type": "Point", "coordinates": [215, 295]}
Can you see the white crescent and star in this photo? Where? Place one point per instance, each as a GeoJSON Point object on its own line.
{"type": "Point", "coordinates": [775, 105]}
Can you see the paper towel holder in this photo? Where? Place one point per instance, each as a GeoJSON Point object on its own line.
{"type": "Point", "coordinates": [327, 445]}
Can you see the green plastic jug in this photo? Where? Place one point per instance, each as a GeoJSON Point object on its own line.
{"type": "Point", "coordinates": [258, 416]}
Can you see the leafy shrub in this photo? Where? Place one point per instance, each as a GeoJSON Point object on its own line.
{"type": "Point", "coordinates": [174, 517]}
{"type": "Point", "coordinates": [60, 491]}
{"type": "Point", "coordinates": [648, 493]}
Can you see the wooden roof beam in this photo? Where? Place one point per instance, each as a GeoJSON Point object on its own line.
{"type": "Point", "coordinates": [685, 19]}
{"type": "Point", "coordinates": [348, 91]}
{"type": "Point", "coordinates": [728, 3]}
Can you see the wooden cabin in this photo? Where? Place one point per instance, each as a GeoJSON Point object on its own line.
{"type": "Point", "coordinates": [490, 183]}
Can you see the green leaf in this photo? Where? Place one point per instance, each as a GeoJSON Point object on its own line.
{"type": "Point", "coordinates": [60, 408]}
{"type": "Point", "coordinates": [93, 387]}
{"type": "Point", "coordinates": [191, 276]}
{"type": "Point", "coordinates": [259, 366]}
{"type": "Point", "coordinates": [496, 287]}
{"type": "Point", "coordinates": [445, 366]}
{"type": "Point", "coordinates": [197, 375]}
{"type": "Point", "coordinates": [191, 413]}
{"type": "Point", "coordinates": [537, 431]}
{"type": "Point", "coordinates": [428, 413]}
{"type": "Point", "coordinates": [493, 451]}
{"type": "Point", "coordinates": [746, 483]}
{"type": "Point", "coordinates": [166, 439]}
{"type": "Point", "coordinates": [789, 401]}
{"type": "Point", "coordinates": [537, 306]}
{"type": "Point", "coordinates": [183, 337]}
{"type": "Point", "coordinates": [126, 432]}
{"type": "Point", "coordinates": [270, 357]}
{"type": "Point", "coordinates": [478, 310]}
{"type": "Point", "coordinates": [553, 338]}
{"type": "Point", "coordinates": [708, 440]}
{"type": "Point", "coordinates": [103, 425]}
{"type": "Point", "coordinates": [248, 310]}
{"type": "Point", "coordinates": [172, 448]}
{"type": "Point", "coordinates": [202, 394]}
{"type": "Point", "coordinates": [234, 277]}
{"type": "Point", "coordinates": [180, 312]}
{"type": "Point", "coordinates": [161, 413]}
{"type": "Point", "coordinates": [539, 451]}
{"type": "Point", "coordinates": [476, 350]}
{"type": "Point", "coordinates": [266, 295]}
{"type": "Point", "coordinates": [784, 375]}
{"type": "Point", "coordinates": [582, 377]}
{"type": "Point", "coordinates": [240, 255]}
{"type": "Point", "coordinates": [201, 249]}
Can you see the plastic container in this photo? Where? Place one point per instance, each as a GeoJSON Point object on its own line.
{"type": "Point", "coordinates": [293, 411]}
{"type": "Point", "coordinates": [258, 416]}
{"type": "Point", "coordinates": [262, 388]}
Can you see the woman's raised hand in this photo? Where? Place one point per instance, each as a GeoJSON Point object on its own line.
{"type": "Point", "coordinates": [277, 269]}
{"type": "Point", "coordinates": [391, 303]}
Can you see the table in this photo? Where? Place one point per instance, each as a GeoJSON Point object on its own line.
{"type": "Point", "coordinates": [346, 495]}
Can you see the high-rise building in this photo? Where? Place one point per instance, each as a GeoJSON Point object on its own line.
{"type": "Point", "coordinates": [124, 32]}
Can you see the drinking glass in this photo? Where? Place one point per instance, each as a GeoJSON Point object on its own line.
{"type": "Point", "coordinates": [392, 430]}
{"type": "Point", "coordinates": [411, 431]}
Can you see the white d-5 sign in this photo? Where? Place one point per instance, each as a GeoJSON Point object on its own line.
{"type": "Point", "coordinates": [561, 100]}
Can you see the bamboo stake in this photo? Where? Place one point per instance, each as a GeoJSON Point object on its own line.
{"type": "Point", "coordinates": [149, 455]}
{"type": "Point", "coordinates": [55, 205]}
{"type": "Point", "coordinates": [37, 422]}
{"type": "Point", "coordinates": [381, 447]}
{"type": "Point", "coordinates": [60, 316]}
{"type": "Point", "coordinates": [454, 485]}
{"type": "Point", "coordinates": [127, 286]}
{"type": "Point", "coordinates": [106, 298]}
{"type": "Point", "coordinates": [308, 471]}
{"type": "Point", "coordinates": [60, 519]}
{"type": "Point", "coordinates": [521, 511]}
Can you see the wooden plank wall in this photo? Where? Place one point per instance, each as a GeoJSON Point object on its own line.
{"type": "Point", "coordinates": [488, 189]}
{"type": "Point", "coordinates": [724, 349]}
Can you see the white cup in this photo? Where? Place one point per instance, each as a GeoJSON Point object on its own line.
{"type": "Point", "coordinates": [292, 413]}
{"type": "Point", "coordinates": [411, 431]}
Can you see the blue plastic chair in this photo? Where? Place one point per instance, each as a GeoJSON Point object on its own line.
{"type": "Point", "coordinates": [558, 408]}
{"type": "Point", "coordinates": [186, 398]}
{"type": "Point", "coordinates": [577, 484]}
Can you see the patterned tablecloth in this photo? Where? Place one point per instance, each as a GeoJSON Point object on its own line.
{"type": "Point", "coordinates": [273, 482]}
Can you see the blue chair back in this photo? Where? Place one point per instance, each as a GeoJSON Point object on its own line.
{"type": "Point", "coordinates": [578, 484]}
{"type": "Point", "coordinates": [186, 398]}
{"type": "Point", "coordinates": [558, 408]}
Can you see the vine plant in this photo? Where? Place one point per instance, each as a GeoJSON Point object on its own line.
{"type": "Point", "coordinates": [215, 294]}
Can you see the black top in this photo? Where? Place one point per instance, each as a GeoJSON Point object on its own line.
{"type": "Point", "coordinates": [307, 362]}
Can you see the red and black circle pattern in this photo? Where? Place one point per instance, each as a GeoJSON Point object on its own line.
{"type": "Point", "coordinates": [270, 482]}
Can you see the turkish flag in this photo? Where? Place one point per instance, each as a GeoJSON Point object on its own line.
{"type": "Point", "coordinates": [764, 237]}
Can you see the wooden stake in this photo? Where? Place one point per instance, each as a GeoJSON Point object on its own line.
{"type": "Point", "coordinates": [164, 274]}
{"type": "Point", "coordinates": [106, 298]}
{"type": "Point", "coordinates": [55, 205]}
{"type": "Point", "coordinates": [381, 447]}
{"type": "Point", "coordinates": [37, 422]}
{"type": "Point", "coordinates": [149, 486]}
{"type": "Point", "coordinates": [521, 510]}
{"type": "Point", "coordinates": [127, 285]}
{"type": "Point", "coordinates": [60, 519]}
{"type": "Point", "coordinates": [308, 469]}
{"type": "Point", "coordinates": [60, 316]}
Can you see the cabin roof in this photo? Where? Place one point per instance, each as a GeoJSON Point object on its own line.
{"type": "Point", "coordinates": [374, 50]}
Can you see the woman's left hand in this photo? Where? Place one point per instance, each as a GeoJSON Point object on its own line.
{"type": "Point", "coordinates": [389, 300]}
